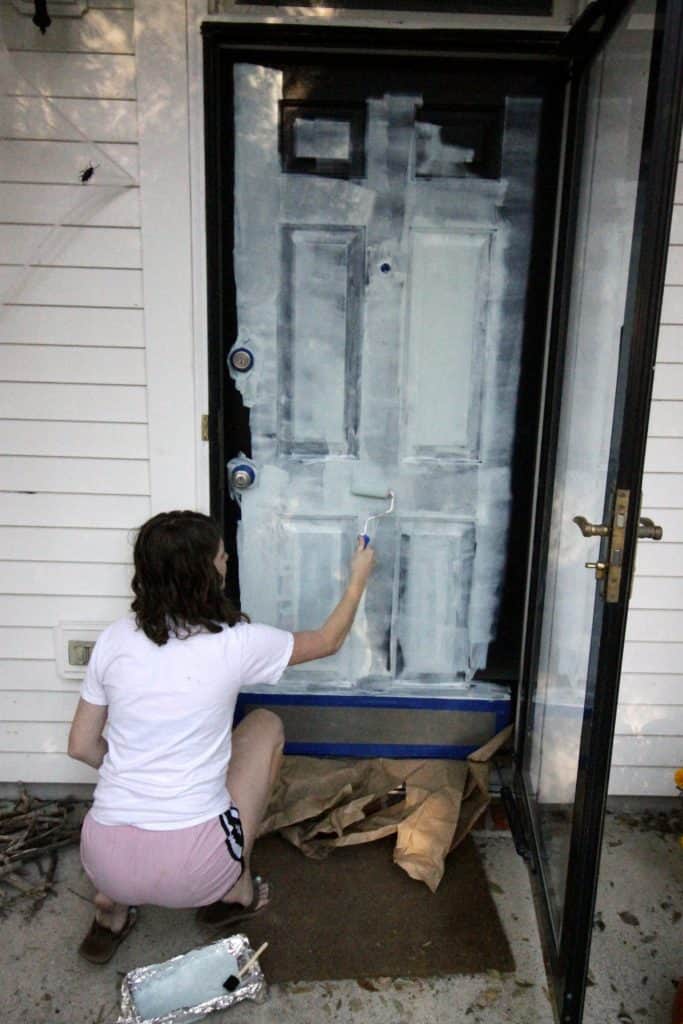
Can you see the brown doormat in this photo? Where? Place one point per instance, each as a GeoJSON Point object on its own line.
{"type": "Point", "coordinates": [357, 915]}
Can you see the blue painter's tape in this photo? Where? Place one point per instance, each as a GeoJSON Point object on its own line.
{"type": "Point", "coordinates": [502, 709]}
{"type": "Point", "coordinates": [379, 750]}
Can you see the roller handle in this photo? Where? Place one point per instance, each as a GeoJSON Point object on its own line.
{"type": "Point", "coordinates": [232, 982]}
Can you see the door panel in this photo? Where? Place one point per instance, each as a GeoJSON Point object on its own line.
{"type": "Point", "coordinates": [381, 264]}
{"type": "Point", "coordinates": [320, 340]}
{"type": "Point", "coordinates": [445, 342]}
{"type": "Point", "coordinates": [435, 572]}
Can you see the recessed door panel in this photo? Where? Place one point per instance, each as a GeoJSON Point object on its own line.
{"type": "Point", "coordinates": [446, 341]}
{"type": "Point", "coordinates": [434, 572]}
{"type": "Point", "coordinates": [319, 550]}
{"type": "Point", "coordinates": [320, 337]}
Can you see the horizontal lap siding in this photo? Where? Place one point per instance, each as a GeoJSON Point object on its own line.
{"type": "Point", "coordinates": [74, 469]}
{"type": "Point", "coordinates": [648, 744]}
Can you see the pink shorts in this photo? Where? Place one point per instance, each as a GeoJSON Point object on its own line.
{"type": "Point", "coordinates": [185, 867]}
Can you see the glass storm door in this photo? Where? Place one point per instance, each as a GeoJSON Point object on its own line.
{"type": "Point", "coordinates": [382, 238]}
{"type": "Point", "coordinates": [619, 168]}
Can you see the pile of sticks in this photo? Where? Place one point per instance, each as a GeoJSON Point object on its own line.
{"type": "Point", "coordinates": [32, 831]}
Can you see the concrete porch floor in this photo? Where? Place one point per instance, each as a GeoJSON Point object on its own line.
{"type": "Point", "coordinates": [637, 949]}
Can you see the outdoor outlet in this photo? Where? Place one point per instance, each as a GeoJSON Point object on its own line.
{"type": "Point", "coordinates": [74, 643]}
{"type": "Point", "coordinates": [80, 651]}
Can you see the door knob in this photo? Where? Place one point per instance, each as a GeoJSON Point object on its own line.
{"type": "Point", "coordinates": [649, 530]}
{"type": "Point", "coordinates": [590, 529]}
{"type": "Point", "coordinates": [241, 474]}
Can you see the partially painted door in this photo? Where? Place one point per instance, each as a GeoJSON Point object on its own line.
{"type": "Point", "coordinates": [382, 234]}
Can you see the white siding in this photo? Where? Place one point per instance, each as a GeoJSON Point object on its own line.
{"type": "Point", "coordinates": [648, 744]}
{"type": "Point", "coordinates": [74, 449]}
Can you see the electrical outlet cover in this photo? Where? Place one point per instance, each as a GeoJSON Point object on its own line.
{"type": "Point", "coordinates": [78, 632]}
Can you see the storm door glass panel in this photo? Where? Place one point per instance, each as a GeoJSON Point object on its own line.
{"type": "Point", "coordinates": [583, 483]}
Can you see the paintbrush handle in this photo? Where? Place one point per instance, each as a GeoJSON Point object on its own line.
{"type": "Point", "coordinates": [250, 963]}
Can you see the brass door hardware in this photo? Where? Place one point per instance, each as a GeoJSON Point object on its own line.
{"type": "Point", "coordinates": [591, 529]}
{"type": "Point", "coordinates": [608, 573]}
{"type": "Point", "coordinates": [616, 549]}
{"type": "Point", "coordinates": [600, 569]}
{"type": "Point", "coordinates": [648, 529]}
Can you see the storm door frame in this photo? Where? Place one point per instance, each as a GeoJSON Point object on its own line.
{"type": "Point", "coordinates": [567, 956]}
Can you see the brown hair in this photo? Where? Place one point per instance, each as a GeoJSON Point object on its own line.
{"type": "Point", "coordinates": [178, 590]}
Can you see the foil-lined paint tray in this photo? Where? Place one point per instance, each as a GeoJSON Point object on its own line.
{"type": "Point", "coordinates": [189, 987]}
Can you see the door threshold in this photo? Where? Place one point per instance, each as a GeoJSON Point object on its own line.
{"type": "Point", "coordinates": [368, 689]}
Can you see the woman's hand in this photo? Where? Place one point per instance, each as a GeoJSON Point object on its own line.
{"type": "Point", "coordinates": [321, 643]}
{"type": "Point", "coordinates": [362, 563]}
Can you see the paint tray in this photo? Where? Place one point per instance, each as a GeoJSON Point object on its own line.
{"type": "Point", "coordinates": [189, 987]}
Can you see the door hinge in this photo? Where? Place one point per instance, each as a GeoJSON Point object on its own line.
{"type": "Point", "coordinates": [205, 427]}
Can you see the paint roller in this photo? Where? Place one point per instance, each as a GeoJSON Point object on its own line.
{"type": "Point", "coordinates": [365, 536]}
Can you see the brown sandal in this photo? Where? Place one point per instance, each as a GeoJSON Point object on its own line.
{"type": "Point", "coordinates": [220, 913]}
{"type": "Point", "coordinates": [101, 943]}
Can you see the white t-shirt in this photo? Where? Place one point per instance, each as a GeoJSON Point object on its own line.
{"type": "Point", "coordinates": [169, 720]}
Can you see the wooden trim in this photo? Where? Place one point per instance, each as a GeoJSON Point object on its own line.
{"type": "Point", "coordinates": [167, 247]}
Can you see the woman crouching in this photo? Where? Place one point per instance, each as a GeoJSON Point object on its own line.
{"type": "Point", "coordinates": [181, 795]}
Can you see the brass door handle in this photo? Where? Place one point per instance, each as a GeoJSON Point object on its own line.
{"type": "Point", "coordinates": [608, 573]}
{"type": "Point", "coordinates": [590, 529]}
{"type": "Point", "coordinates": [647, 530]}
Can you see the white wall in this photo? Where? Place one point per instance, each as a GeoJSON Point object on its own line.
{"type": "Point", "coordinates": [74, 468]}
{"type": "Point", "coordinates": [648, 745]}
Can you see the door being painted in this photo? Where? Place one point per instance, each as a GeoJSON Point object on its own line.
{"type": "Point", "coordinates": [381, 258]}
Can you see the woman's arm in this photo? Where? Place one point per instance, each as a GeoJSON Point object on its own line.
{"type": "Point", "coordinates": [86, 742]}
{"type": "Point", "coordinates": [320, 643]}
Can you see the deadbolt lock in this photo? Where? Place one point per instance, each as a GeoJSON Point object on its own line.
{"type": "Point", "coordinates": [600, 569]}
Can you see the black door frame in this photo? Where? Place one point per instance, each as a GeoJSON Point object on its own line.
{"type": "Point", "coordinates": [225, 43]}
{"type": "Point", "coordinates": [568, 958]}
